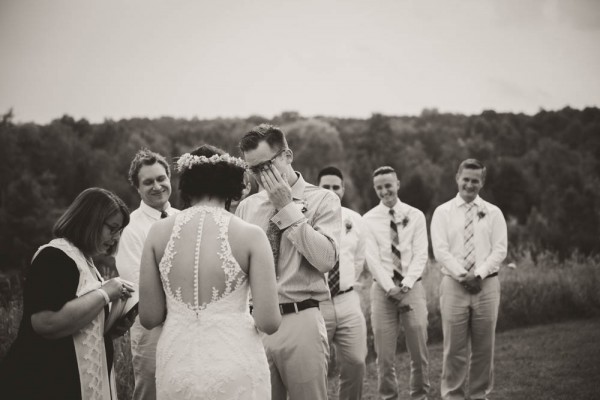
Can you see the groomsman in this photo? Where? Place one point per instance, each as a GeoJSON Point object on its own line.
{"type": "Point", "coordinates": [303, 223]}
{"type": "Point", "coordinates": [150, 175]}
{"type": "Point", "coordinates": [469, 241]}
{"type": "Point", "coordinates": [344, 319]}
{"type": "Point", "coordinates": [396, 255]}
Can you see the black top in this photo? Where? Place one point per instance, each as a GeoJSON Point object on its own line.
{"type": "Point", "coordinates": [38, 368]}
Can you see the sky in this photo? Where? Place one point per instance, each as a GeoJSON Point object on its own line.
{"type": "Point", "coordinates": [113, 59]}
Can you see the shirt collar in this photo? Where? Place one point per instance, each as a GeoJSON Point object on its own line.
{"type": "Point", "coordinates": [398, 207]}
{"type": "Point", "coordinates": [460, 202]}
{"type": "Point", "coordinates": [298, 188]}
{"type": "Point", "coordinates": [153, 212]}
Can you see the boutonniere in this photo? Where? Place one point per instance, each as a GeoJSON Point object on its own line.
{"type": "Point", "coordinates": [348, 225]}
{"type": "Point", "coordinates": [405, 221]}
{"type": "Point", "coordinates": [480, 214]}
{"type": "Point", "coordinates": [302, 205]}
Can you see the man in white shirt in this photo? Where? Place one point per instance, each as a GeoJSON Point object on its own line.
{"type": "Point", "coordinates": [344, 319]}
{"type": "Point", "coordinates": [469, 240]}
{"type": "Point", "coordinates": [303, 224]}
{"type": "Point", "coordinates": [149, 174]}
{"type": "Point", "coordinates": [396, 255]}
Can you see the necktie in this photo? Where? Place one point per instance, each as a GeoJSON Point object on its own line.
{"type": "Point", "coordinates": [396, 255]}
{"type": "Point", "coordinates": [334, 279]}
{"type": "Point", "coordinates": [163, 214]}
{"type": "Point", "coordinates": [274, 236]}
{"type": "Point", "coordinates": [469, 237]}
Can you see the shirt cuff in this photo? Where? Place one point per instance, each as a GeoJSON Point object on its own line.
{"type": "Point", "coordinates": [409, 282]}
{"type": "Point", "coordinates": [481, 272]}
{"type": "Point", "coordinates": [287, 216]}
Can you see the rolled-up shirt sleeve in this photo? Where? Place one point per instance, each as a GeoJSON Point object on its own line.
{"type": "Point", "coordinates": [319, 240]}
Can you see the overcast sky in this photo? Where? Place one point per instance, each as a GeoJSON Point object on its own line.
{"type": "Point", "coordinates": [220, 58]}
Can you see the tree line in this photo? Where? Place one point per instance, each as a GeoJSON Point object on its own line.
{"type": "Point", "coordinates": [543, 169]}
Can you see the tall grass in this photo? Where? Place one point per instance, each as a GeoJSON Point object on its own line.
{"type": "Point", "coordinates": [540, 290]}
{"type": "Point", "coordinates": [536, 291]}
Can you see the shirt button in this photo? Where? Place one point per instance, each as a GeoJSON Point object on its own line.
{"type": "Point", "coordinates": [279, 223]}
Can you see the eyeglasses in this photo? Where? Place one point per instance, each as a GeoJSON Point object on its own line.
{"type": "Point", "coordinates": [256, 169]}
{"type": "Point", "coordinates": [114, 230]}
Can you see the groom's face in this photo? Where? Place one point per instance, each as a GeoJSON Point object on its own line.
{"type": "Point", "coordinates": [265, 157]}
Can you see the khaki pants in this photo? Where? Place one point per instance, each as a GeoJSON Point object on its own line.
{"type": "Point", "coordinates": [298, 354]}
{"type": "Point", "coordinates": [386, 320]}
{"type": "Point", "coordinates": [143, 351]}
{"type": "Point", "coordinates": [468, 321]}
{"type": "Point", "coordinates": [347, 329]}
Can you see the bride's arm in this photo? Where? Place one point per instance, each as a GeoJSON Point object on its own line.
{"type": "Point", "coordinates": [152, 306]}
{"type": "Point", "coordinates": [262, 282]}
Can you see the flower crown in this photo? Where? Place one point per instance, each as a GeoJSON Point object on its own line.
{"type": "Point", "coordinates": [187, 161]}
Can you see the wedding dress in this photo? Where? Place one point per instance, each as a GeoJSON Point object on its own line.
{"type": "Point", "coordinates": [209, 347]}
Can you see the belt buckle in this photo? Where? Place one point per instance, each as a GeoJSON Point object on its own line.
{"type": "Point", "coordinates": [296, 307]}
{"type": "Point", "coordinates": [281, 309]}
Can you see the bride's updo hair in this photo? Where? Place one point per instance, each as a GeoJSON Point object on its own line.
{"type": "Point", "coordinates": [209, 171]}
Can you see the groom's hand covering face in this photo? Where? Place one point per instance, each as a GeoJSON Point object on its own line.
{"type": "Point", "coordinates": [278, 189]}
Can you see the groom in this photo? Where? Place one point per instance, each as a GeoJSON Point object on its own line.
{"type": "Point", "coordinates": [303, 223]}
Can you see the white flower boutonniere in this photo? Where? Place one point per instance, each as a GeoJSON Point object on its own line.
{"type": "Point", "coordinates": [348, 225]}
{"type": "Point", "coordinates": [302, 205]}
{"type": "Point", "coordinates": [404, 221]}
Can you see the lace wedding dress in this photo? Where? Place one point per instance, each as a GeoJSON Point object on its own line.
{"type": "Point", "coordinates": [209, 347]}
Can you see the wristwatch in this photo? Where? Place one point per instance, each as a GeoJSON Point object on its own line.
{"type": "Point", "coordinates": [404, 289]}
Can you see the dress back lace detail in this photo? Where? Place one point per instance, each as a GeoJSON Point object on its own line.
{"type": "Point", "coordinates": [209, 347]}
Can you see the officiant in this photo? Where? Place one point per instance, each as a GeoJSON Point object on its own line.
{"type": "Point", "coordinates": [61, 351]}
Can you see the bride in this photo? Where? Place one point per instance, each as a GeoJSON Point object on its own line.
{"type": "Point", "coordinates": [197, 270]}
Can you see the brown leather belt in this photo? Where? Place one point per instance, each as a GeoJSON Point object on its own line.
{"type": "Point", "coordinates": [288, 308]}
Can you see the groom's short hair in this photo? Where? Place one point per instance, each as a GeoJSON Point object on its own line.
{"type": "Point", "coordinates": [273, 135]}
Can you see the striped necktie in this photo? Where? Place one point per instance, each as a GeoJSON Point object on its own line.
{"type": "Point", "coordinates": [274, 236]}
{"type": "Point", "coordinates": [334, 279]}
{"type": "Point", "coordinates": [469, 237]}
{"type": "Point", "coordinates": [396, 255]}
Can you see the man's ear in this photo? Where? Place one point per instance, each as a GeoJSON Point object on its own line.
{"type": "Point", "coordinates": [289, 155]}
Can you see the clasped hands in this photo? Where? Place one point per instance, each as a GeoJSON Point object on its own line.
{"type": "Point", "coordinates": [277, 187]}
{"type": "Point", "coordinates": [396, 295]}
{"type": "Point", "coordinates": [470, 282]}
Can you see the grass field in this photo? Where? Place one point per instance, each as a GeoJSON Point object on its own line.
{"type": "Point", "coordinates": [559, 361]}
{"type": "Point", "coordinates": [547, 361]}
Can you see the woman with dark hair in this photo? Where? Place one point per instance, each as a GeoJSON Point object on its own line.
{"type": "Point", "coordinates": [197, 270]}
{"type": "Point", "coordinates": [61, 351]}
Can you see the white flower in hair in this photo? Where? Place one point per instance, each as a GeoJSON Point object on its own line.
{"type": "Point", "coordinates": [188, 160]}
